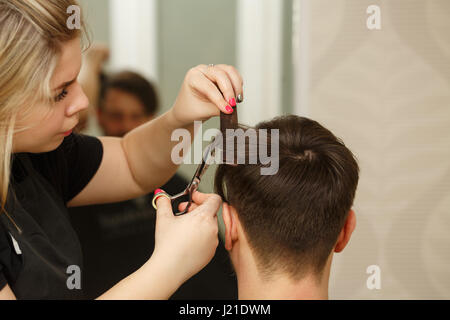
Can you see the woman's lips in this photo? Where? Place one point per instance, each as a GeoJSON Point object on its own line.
{"type": "Point", "coordinates": [67, 133]}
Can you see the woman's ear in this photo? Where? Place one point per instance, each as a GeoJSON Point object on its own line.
{"type": "Point", "coordinates": [230, 226]}
{"type": "Point", "coordinates": [346, 232]}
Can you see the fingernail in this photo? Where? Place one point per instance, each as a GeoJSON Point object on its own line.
{"type": "Point", "coordinates": [239, 98]}
{"type": "Point", "coordinates": [232, 102]}
{"type": "Point", "coordinates": [158, 194]}
{"type": "Point", "coordinates": [229, 109]}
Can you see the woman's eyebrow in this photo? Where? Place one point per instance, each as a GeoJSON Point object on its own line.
{"type": "Point", "coordinates": [66, 84]}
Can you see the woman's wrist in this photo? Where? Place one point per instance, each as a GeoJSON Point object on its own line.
{"type": "Point", "coordinates": [168, 273]}
{"type": "Point", "coordinates": [157, 279]}
{"type": "Point", "coordinates": [174, 122]}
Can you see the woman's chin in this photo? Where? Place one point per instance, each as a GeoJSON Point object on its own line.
{"type": "Point", "coordinates": [48, 146]}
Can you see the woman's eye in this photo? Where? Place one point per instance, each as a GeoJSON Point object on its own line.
{"type": "Point", "coordinates": [61, 96]}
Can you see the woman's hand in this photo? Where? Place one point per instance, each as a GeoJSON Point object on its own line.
{"type": "Point", "coordinates": [187, 243]}
{"type": "Point", "coordinates": [207, 90]}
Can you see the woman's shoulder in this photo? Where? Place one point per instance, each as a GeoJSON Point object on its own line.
{"type": "Point", "coordinates": [74, 156]}
{"type": "Point", "coordinates": [70, 166]}
{"type": "Point", "coordinates": [43, 158]}
{"type": "Point", "coordinates": [72, 148]}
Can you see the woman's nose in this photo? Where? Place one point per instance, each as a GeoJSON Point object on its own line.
{"type": "Point", "coordinates": [78, 104]}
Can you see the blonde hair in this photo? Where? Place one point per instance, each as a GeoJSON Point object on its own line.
{"type": "Point", "coordinates": [31, 35]}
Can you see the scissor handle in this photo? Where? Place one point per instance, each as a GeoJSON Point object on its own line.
{"type": "Point", "coordinates": [190, 189]}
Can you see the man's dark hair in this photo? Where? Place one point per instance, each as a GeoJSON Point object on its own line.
{"type": "Point", "coordinates": [132, 83]}
{"type": "Point", "coordinates": [292, 219]}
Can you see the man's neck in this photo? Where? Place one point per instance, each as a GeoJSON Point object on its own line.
{"type": "Point", "coordinates": [251, 286]}
{"type": "Point", "coordinates": [280, 288]}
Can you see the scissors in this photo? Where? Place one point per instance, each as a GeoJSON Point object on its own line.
{"type": "Point", "coordinates": [227, 121]}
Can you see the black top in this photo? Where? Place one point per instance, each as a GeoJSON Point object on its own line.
{"type": "Point", "coordinates": [38, 262]}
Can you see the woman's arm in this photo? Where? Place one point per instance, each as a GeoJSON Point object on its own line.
{"type": "Point", "coordinates": [148, 150]}
{"type": "Point", "coordinates": [183, 246]}
{"type": "Point", "coordinates": [7, 294]}
{"type": "Point", "coordinates": [133, 165]}
{"type": "Point", "coordinates": [153, 281]}
{"type": "Point", "coordinates": [141, 161]}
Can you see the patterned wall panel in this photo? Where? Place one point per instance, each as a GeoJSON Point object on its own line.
{"type": "Point", "coordinates": [386, 93]}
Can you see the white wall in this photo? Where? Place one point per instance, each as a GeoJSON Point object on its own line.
{"type": "Point", "coordinates": [133, 29]}
{"type": "Point", "coordinates": [259, 52]}
{"type": "Point", "coordinates": [386, 93]}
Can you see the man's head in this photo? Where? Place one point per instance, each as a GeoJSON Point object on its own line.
{"type": "Point", "coordinates": [127, 101]}
{"type": "Point", "coordinates": [292, 221]}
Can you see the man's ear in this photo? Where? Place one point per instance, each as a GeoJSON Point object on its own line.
{"type": "Point", "coordinates": [229, 220]}
{"type": "Point", "coordinates": [346, 232]}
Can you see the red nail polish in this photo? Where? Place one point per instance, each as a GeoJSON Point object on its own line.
{"type": "Point", "coordinates": [229, 109]}
{"type": "Point", "coordinates": [158, 191]}
{"type": "Point", "coordinates": [232, 102]}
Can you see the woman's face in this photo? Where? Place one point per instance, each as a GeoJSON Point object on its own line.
{"type": "Point", "coordinates": [50, 124]}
